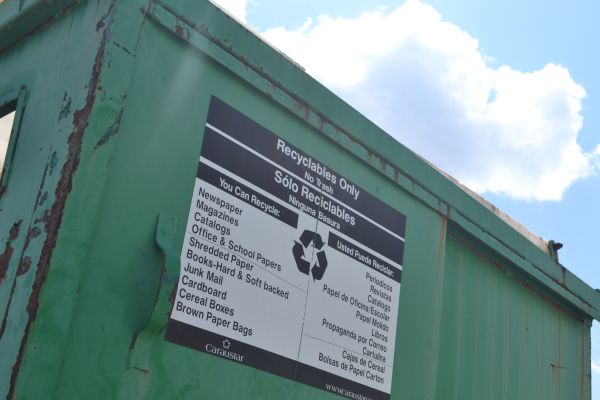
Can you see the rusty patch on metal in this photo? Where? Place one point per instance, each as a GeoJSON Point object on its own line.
{"type": "Point", "coordinates": [101, 23]}
{"type": "Point", "coordinates": [111, 131]}
{"type": "Point", "coordinates": [53, 219]}
{"type": "Point", "coordinates": [382, 165]}
{"type": "Point", "coordinates": [322, 123]}
{"type": "Point", "coordinates": [14, 231]}
{"type": "Point", "coordinates": [5, 317]}
{"type": "Point", "coordinates": [181, 31]}
{"type": "Point", "coordinates": [272, 87]}
{"type": "Point", "coordinates": [25, 261]}
{"type": "Point", "coordinates": [24, 266]}
{"type": "Point", "coordinates": [8, 250]}
{"type": "Point", "coordinates": [4, 261]}
{"type": "Point", "coordinates": [302, 108]}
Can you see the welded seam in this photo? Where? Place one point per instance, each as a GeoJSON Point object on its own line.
{"type": "Point", "coordinates": [9, 249]}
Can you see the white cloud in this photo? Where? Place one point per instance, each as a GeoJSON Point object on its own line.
{"type": "Point", "coordinates": [427, 83]}
{"type": "Point", "coordinates": [595, 367]}
{"type": "Point", "coordinates": [595, 160]}
{"type": "Point", "coordinates": [237, 8]}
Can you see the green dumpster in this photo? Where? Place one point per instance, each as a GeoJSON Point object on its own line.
{"type": "Point", "coordinates": [186, 214]}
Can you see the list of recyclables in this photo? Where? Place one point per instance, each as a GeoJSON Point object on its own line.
{"type": "Point", "coordinates": [286, 265]}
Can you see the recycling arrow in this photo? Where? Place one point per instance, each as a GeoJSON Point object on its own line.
{"type": "Point", "coordinates": [306, 238]}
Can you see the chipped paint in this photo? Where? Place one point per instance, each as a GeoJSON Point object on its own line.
{"type": "Point", "coordinates": [53, 217]}
{"type": "Point", "coordinates": [8, 250]}
{"type": "Point", "coordinates": [65, 107]}
{"type": "Point", "coordinates": [25, 261]}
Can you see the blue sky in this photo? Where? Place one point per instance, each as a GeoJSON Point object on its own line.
{"type": "Point", "coordinates": [508, 90]}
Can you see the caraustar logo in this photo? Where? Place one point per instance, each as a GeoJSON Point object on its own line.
{"type": "Point", "coordinates": [224, 352]}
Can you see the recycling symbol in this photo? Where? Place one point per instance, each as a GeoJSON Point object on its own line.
{"type": "Point", "coordinates": [318, 269]}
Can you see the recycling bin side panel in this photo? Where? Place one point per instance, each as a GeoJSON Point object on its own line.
{"type": "Point", "coordinates": [501, 333]}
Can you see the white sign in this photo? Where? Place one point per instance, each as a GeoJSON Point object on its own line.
{"type": "Point", "coordinates": [286, 265]}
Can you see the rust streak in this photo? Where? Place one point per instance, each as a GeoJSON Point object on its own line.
{"type": "Point", "coordinates": [24, 266]}
{"type": "Point", "coordinates": [322, 123]}
{"type": "Point", "coordinates": [302, 108]}
{"type": "Point", "coordinates": [6, 311]}
{"type": "Point", "coordinates": [25, 261]}
{"type": "Point", "coordinates": [382, 165]}
{"type": "Point", "coordinates": [53, 219]}
{"type": "Point", "coordinates": [9, 249]}
{"type": "Point", "coordinates": [4, 261]}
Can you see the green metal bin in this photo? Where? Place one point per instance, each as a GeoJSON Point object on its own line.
{"type": "Point", "coordinates": [186, 214]}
